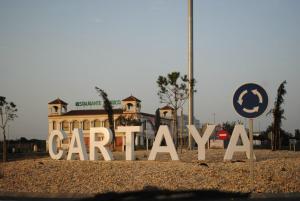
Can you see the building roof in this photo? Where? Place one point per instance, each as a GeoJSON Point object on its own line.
{"type": "Point", "coordinates": [58, 101]}
{"type": "Point", "coordinates": [147, 114]}
{"type": "Point", "coordinates": [167, 107]}
{"type": "Point", "coordinates": [131, 98]}
{"type": "Point", "coordinates": [90, 112]}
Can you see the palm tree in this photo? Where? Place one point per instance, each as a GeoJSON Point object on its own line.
{"type": "Point", "coordinates": [277, 113]}
{"type": "Point", "coordinates": [109, 109]}
{"type": "Point", "coordinates": [157, 120]}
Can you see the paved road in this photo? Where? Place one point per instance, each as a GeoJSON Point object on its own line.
{"type": "Point", "coordinates": [148, 195]}
{"type": "Point", "coordinates": [39, 199]}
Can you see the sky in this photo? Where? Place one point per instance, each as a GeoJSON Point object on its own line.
{"type": "Point", "coordinates": [52, 48]}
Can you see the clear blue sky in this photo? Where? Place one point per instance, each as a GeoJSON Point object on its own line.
{"type": "Point", "coordinates": [51, 49]}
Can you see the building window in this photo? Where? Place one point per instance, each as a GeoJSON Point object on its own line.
{"type": "Point", "coordinates": [54, 125]}
{"type": "Point", "coordinates": [119, 121]}
{"type": "Point", "coordinates": [165, 113]}
{"type": "Point", "coordinates": [86, 125]}
{"type": "Point", "coordinates": [65, 109]}
{"type": "Point", "coordinates": [75, 124]}
{"type": "Point", "coordinates": [129, 106]}
{"type": "Point", "coordinates": [65, 126]}
{"type": "Point", "coordinates": [54, 109]}
{"type": "Point", "coordinates": [106, 123]}
{"type": "Point", "coordinates": [66, 141]}
{"type": "Point", "coordinates": [99, 136]}
{"type": "Point", "coordinates": [97, 123]}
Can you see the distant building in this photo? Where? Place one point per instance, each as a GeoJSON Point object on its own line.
{"type": "Point", "coordinates": [182, 122]}
{"type": "Point", "coordinates": [59, 118]}
{"type": "Point", "coordinates": [129, 113]}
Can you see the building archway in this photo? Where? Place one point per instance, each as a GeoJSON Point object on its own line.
{"type": "Point", "coordinates": [75, 124]}
{"type": "Point", "coordinates": [86, 125]}
{"type": "Point", "coordinates": [65, 126]}
{"type": "Point", "coordinates": [97, 123]}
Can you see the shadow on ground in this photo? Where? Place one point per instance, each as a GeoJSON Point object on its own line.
{"type": "Point", "coordinates": [24, 156]}
{"type": "Point", "coordinates": [153, 193]}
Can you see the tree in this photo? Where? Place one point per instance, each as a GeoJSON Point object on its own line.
{"type": "Point", "coordinates": [128, 121]}
{"type": "Point", "coordinates": [8, 112]}
{"type": "Point", "coordinates": [157, 120]}
{"type": "Point", "coordinates": [267, 132]}
{"type": "Point", "coordinates": [228, 126]}
{"type": "Point", "coordinates": [297, 134]}
{"type": "Point", "coordinates": [173, 91]}
{"type": "Point", "coordinates": [109, 109]}
{"type": "Point", "coordinates": [277, 113]}
{"type": "Point", "coordinates": [285, 137]}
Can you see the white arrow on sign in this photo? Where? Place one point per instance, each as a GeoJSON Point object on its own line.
{"type": "Point", "coordinates": [255, 109]}
{"type": "Point", "coordinates": [255, 92]}
{"type": "Point", "coordinates": [240, 101]}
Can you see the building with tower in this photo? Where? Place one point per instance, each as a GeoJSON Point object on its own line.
{"type": "Point", "coordinates": [128, 113]}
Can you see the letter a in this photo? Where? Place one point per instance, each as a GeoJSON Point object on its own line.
{"type": "Point", "coordinates": [163, 132]}
{"type": "Point", "coordinates": [77, 146]}
{"type": "Point", "coordinates": [239, 130]}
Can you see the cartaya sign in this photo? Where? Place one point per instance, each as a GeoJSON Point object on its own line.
{"type": "Point", "coordinates": [77, 145]}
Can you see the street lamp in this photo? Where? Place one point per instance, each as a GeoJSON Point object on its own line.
{"type": "Point", "coordinates": [190, 67]}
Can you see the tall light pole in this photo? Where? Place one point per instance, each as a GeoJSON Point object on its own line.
{"type": "Point", "coordinates": [214, 114]}
{"type": "Point", "coordinates": [190, 67]}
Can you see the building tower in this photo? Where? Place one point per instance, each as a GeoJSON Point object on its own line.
{"type": "Point", "coordinates": [131, 105]}
{"type": "Point", "coordinates": [166, 112]}
{"type": "Point", "coordinates": [57, 107]}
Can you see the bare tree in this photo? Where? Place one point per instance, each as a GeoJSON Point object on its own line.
{"type": "Point", "coordinates": [8, 112]}
{"type": "Point", "coordinates": [173, 91]}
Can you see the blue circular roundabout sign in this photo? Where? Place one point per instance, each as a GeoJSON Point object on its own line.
{"type": "Point", "coordinates": [250, 100]}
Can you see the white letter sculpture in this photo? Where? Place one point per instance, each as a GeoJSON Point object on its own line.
{"type": "Point", "coordinates": [53, 140]}
{"type": "Point", "coordinates": [163, 131]}
{"type": "Point", "coordinates": [77, 146]}
{"type": "Point", "coordinates": [129, 132]}
{"type": "Point", "coordinates": [201, 141]}
{"type": "Point", "coordinates": [107, 138]}
{"type": "Point", "coordinates": [239, 130]}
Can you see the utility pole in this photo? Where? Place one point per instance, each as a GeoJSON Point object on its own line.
{"type": "Point", "coordinates": [181, 129]}
{"type": "Point", "coordinates": [8, 137]}
{"type": "Point", "coordinates": [251, 155]}
{"type": "Point", "coordinates": [190, 68]}
{"type": "Point", "coordinates": [214, 114]}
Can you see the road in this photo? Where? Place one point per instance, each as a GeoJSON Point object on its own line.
{"type": "Point", "coordinates": [155, 195]}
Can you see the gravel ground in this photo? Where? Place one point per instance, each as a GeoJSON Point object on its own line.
{"type": "Point", "coordinates": [275, 172]}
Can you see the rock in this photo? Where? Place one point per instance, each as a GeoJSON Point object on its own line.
{"type": "Point", "coordinates": [273, 173]}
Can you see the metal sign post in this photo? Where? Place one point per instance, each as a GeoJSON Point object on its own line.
{"type": "Point", "coordinates": [251, 153]}
{"type": "Point", "coordinates": [250, 101]}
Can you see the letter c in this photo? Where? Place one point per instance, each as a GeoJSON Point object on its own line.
{"type": "Point", "coordinates": [53, 139]}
